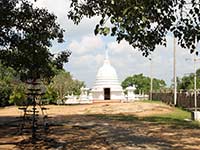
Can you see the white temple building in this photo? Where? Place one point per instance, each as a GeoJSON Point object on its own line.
{"type": "Point", "coordinates": [107, 86]}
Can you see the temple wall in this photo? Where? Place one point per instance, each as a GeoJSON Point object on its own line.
{"type": "Point", "coordinates": [115, 95]}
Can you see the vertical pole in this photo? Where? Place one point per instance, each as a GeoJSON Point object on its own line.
{"type": "Point", "coordinates": [151, 84]}
{"type": "Point", "coordinates": [195, 85]}
{"type": "Point", "coordinates": [174, 67]}
{"type": "Point", "coordinates": [195, 79]}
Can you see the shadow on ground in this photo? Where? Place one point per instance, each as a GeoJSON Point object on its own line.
{"type": "Point", "coordinates": [101, 131]}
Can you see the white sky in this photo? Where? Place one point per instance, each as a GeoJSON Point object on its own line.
{"type": "Point", "coordinates": [88, 51]}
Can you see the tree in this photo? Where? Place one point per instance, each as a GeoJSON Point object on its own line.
{"type": "Point", "coordinates": [142, 83]}
{"type": "Point", "coordinates": [5, 92]}
{"type": "Point", "coordinates": [18, 96]}
{"type": "Point", "coordinates": [7, 76]}
{"type": "Point", "coordinates": [50, 95]}
{"type": "Point", "coordinates": [63, 84]}
{"type": "Point", "coordinates": [76, 87]}
{"type": "Point", "coordinates": [26, 33]}
{"type": "Point", "coordinates": [145, 23]}
{"type": "Point", "coordinates": [187, 82]}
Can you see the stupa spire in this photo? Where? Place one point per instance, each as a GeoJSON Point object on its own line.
{"type": "Point", "coordinates": [107, 61]}
{"type": "Point", "coordinates": [106, 55]}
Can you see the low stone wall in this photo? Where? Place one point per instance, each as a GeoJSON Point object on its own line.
{"type": "Point", "coordinates": [184, 100]}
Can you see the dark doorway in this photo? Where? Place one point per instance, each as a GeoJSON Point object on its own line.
{"type": "Point", "coordinates": [107, 94]}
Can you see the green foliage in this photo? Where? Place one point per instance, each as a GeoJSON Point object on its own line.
{"type": "Point", "coordinates": [12, 90]}
{"type": "Point", "coordinates": [187, 82]}
{"type": "Point", "coordinates": [76, 87]}
{"type": "Point", "coordinates": [18, 96]}
{"type": "Point", "coordinates": [142, 83]}
{"type": "Point", "coordinates": [5, 92]}
{"type": "Point", "coordinates": [50, 95]}
{"type": "Point", "coordinates": [6, 78]}
{"type": "Point", "coordinates": [145, 23]}
{"type": "Point", "coordinates": [26, 33]}
{"type": "Point", "coordinates": [63, 84]}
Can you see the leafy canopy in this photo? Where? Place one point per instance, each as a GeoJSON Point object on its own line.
{"type": "Point", "coordinates": [7, 76]}
{"type": "Point", "coordinates": [142, 83]}
{"type": "Point", "coordinates": [63, 84]}
{"type": "Point", "coordinates": [26, 33]}
{"type": "Point", "coordinates": [187, 82]}
{"type": "Point", "coordinates": [144, 23]}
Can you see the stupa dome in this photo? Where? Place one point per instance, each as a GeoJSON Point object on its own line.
{"type": "Point", "coordinates": [107, 85]}
{"type": "Point", "coordinates": [106, 75]}
{"type": "Point", "coordinates": [106, 72]}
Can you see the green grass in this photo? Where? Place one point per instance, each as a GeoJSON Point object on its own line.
{"type": "Point", "coordinates": [177, 113]}
{"type": "Point", "coordinates": [178, 116]}
{"type": "Point", "coordinates": [176, 119]}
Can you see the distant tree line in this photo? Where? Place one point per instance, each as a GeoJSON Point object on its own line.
{"type": "Point", "coordinates": [142, 83]}
{"type": "Point", "coordinates": [13, 90]}
{"type": "Point", "coordinates": [186, 83]}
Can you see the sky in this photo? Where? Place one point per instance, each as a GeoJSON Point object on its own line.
{"type": "Point", "coordinates": [88, 51]}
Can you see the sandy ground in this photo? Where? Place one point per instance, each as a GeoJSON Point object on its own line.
{"type": "Point", "coordinates": [91, 127]}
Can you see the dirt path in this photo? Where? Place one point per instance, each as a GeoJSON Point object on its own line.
{"type": "Point", "coordinates": [113, 126]}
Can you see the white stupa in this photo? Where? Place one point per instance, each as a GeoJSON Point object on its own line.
{"type": "Point", "coordinates": [107, 86]}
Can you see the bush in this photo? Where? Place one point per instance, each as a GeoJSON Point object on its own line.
{"type": "Point", "coordinates": [5, 92]}
{"type": "Point", "coordinates": [50, 95]}
{"type": "Point", "coordinates": [18, 96]}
